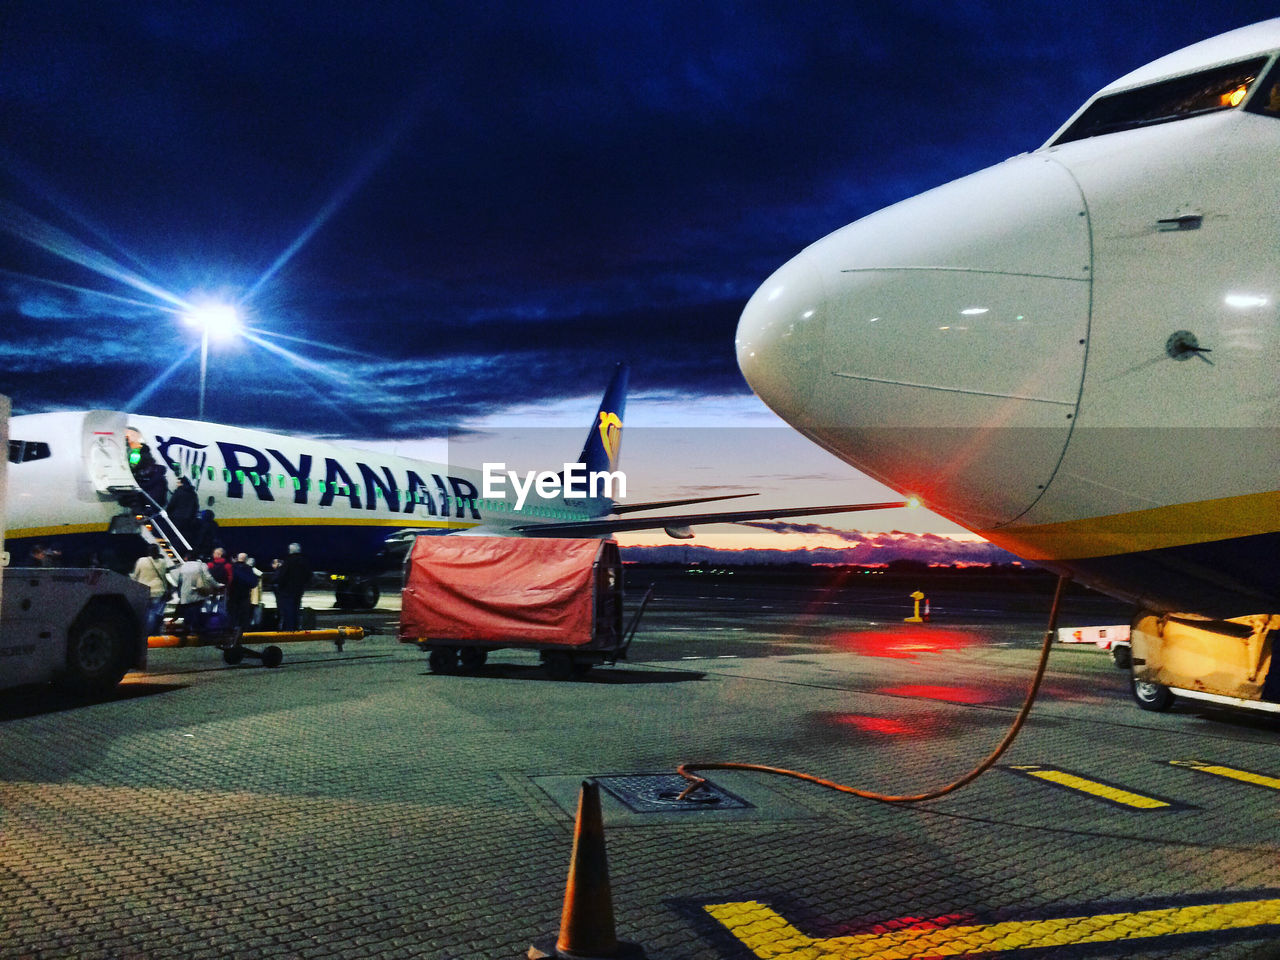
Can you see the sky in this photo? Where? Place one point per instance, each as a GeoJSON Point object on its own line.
{"type": "Point", "coordinates": [442, 217]}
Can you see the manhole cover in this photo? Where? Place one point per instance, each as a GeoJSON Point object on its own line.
{"type": "Point", "coordinates": [658, 793]}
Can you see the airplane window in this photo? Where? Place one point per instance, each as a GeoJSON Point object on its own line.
{"type": "Point", "coordinates": [296, 482]}
{"type": "Point", "coordinates": [1221, 88]}
{"type": "Point", "coordinates": [226, 475]}
{"type": "Point", "coordinates": [1267, 100]}
{"type": "Point", "coordinates": [211, 473]}
{"type": "Point", "coordinates": [24, 451]}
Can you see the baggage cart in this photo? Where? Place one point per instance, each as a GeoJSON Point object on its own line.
{"type": "Point", "coordinates": [467, 596]}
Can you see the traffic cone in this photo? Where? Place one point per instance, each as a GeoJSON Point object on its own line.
{"type": "Point", "coordinates": [586, 922]}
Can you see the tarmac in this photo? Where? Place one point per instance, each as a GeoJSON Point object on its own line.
{"type": "Point", "coordinates": [353, 804]}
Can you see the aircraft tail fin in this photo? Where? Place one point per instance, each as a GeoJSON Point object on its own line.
{"type": "Point", "coordinates": [604, 438]}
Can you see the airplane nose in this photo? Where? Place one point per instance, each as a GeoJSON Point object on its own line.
{"type": "Point", "coordinates": [780, 327]}
{"type": "Point", "coordinates": [939, 344]}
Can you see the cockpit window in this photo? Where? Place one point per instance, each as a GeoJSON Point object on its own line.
{"type": "Point", "coordinates": [1266, 100]}
{"type": "Point", "coordinates": [24, 451]}
{"type": "Point", "coordinates": [1221, 88]}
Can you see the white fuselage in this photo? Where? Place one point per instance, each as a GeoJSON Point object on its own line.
{"type": "Point", "coordinates": [265, 490]}
{"type": "Point", "coordinates": [1014, 348]}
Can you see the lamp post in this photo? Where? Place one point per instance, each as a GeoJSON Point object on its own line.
{"type": "Point", "coordinates": [222, 321]}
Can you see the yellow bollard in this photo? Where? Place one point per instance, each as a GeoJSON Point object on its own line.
{"type": "Point", "coordinates": [915, 617]}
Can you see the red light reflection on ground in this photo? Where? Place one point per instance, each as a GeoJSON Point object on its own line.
{"type": "Point", "coordinates": [920, 726]}
{"type": "Point", "coordinates": [948, 694]}
{"type": "Point", "coordinates": [908, 923]}
{"type": "Point", "coordinates": [903, 643]}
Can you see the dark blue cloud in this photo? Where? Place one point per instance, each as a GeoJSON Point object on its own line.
{"type": "Point", "coordinates": [492, 200]}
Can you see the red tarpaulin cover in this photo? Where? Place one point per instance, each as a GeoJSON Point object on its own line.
{"type": "Point", "coordinates": [500, 590]}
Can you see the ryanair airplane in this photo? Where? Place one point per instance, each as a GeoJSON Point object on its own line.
{"type": "Point", "coordinates": [1073, 353]}
{"type": "Point", "coordinates": [73, 487]}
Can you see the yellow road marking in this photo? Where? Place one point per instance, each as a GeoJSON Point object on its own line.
{"type": "Point", "coordinates": [1093, 788]}
{"type": "Point", "coordinates": [770, 937]}
{"type": "Point", "coordinates": [1230, 773]}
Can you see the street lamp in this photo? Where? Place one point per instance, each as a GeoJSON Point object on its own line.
{"type": "Point", "coordinates": [221, 321]}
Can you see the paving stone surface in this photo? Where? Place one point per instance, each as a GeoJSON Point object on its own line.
{"type": "Point", "coordinates": [357, 805]}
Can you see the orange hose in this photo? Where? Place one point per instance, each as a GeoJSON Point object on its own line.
{"type": "Point", "coordinates": [697, 782]}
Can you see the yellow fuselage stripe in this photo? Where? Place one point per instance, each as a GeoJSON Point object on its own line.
{"type": "Point", "coordinates": [399, 524]}
{"type": "Point", "coordinates": [1179, 525]}
{"type": "Point", "coordinates": [770, 937]}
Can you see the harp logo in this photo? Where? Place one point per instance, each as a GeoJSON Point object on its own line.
{"type": "Point", "coordinates": [611, 436]}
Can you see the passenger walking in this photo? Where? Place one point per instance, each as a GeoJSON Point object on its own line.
{"type": "Point", "coordinates": [221, 571]}
{"type": "Point", "coordinates": [194, 585]}
{"type": "Point", "coordinates": [151, 479]}
{"type": "Point", "coordinates": [150, 572]}
{"type": "Point", "coordinates": [292, 579]}
{"type": "Point", "coordinates": [240, 593]}
{"type": "Point", "coordinates": [182, 508]}
{"type": "Point", "coordinates": [255, 595]}
{"type": "Point", "coordinates": [204, 537]}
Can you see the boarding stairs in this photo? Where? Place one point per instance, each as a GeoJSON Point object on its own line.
{"type": "Point", "coordinates": [107, 459]}
{"type": "Point", "coordinates": [156, 528]}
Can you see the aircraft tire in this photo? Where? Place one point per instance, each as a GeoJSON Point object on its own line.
{"type": "Point", "coordinates": [1155, 697]}
{"type": "Point", "coordinates": [232, 655]}
{"type": "Point", "coordinates": [473, 658]}
{"type": "Point", "coordinates": [366, 595]}
{"type": "Point", "coordinates": [443, 659]}
{"type": "Point", "coordinates": [1122, 657]}
{"type": "Point", "coordinates": [272, 656]}
{"type": "Point", "coordinates": [97, 651]}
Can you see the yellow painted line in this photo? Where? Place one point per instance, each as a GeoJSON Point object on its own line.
{"type": "Point", "coordinates": [1093, 788]}
{"type": "Point", "coordinates": [1231, 773]}
{"type": "Point", "coordinates": [770, 937]}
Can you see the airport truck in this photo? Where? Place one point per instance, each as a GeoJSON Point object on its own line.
{"type": "Point", "coordinates": [79, 628]}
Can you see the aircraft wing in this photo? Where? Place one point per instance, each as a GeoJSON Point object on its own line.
{"type": "Point", "coordinates": [663, 504]}
{"type": "Point", "coordinates": [680, 522]}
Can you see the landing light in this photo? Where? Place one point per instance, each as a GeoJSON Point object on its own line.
{"type": "Point", "coordinates": [1233, 98]}
{"type": "Point", "coordinates": [974, 311]}
{"type": "Point", "coordinates": [912, 503]}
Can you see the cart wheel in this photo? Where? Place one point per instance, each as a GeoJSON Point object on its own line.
{"type": "Point", "coordinates": [559, 665]}
{"type": "Point", "coordinates": [272, 656]}
{"type": "Point", "coordinates": [443, 659]}
{"type": "Point", "coordinates": [233, 655]}
{"type": "Point", "coordinates": [581, 668]}
{"type": "Point", "coordinates": [473, 658]}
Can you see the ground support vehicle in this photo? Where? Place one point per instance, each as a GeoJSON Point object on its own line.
{"type": "Point", "coordinates": [465, 596]}
{"type": "Point", "coordinates": [1114, 639]}
{"type": "Point", "coordinates": [81, 628]}
{"type": "Point", "coordinates": [233, 646]}
{"type": "Point", "coordinates": [1226, 662]}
